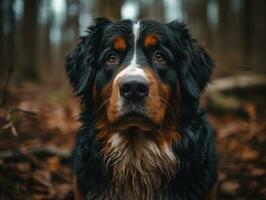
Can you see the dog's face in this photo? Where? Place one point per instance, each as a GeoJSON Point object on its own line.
{"type": "Point", "coordinates": [138, 73]}
{"type": "Point", "coordinates": [134, 70]}
{"type": "Point", "coordinates": [136, 76]}
{"type": "Point", "coordinates": [140, 81]}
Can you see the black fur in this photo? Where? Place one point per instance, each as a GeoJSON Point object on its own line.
{"type": "Point", "coordinates": [196, 149]}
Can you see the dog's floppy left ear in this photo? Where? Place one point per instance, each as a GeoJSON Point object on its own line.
{"type": "Point", "coordinates": [196, 66]}
{"type": "Point", "coordinates": [80, 63]}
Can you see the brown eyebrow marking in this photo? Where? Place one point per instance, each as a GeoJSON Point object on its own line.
{"type": "Point", "coordinates": [119, 43]}
{"type": "Point", "coordinates": [151, 40]}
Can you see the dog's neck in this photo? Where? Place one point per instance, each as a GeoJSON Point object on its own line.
{"type": "Point", "coordinates": [140, 166]}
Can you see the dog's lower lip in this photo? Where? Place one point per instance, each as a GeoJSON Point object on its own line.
{"type": "Point", "coordinates": [134, 116]}
{"type": "Point", "coordinates": [134, 119]}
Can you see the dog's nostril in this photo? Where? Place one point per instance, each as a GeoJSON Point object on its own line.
{"type": "Point", "coordinates": [126, 88]}
{"type": "Point", "coordinates": [134, 88]}
{"type": "Point", "coordinates": [142, 88]}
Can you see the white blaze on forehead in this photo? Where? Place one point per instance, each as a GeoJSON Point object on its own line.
{"type": "Point", "coordinates": [136, 27]}
{"type": "Point", "coordinates": [133, 68]}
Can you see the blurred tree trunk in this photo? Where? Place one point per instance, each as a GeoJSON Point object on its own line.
{"type": "Point", "coordinates": [8, 23]}
{"type": "Point", "coordinates": [205, 27]}
{"type": "Point", "coordinates": [224, 10]}
{"type": "Point", "coordinates": [2, 58]}
{"type": "Point", "coordinates": [47, 42]}
{"type": "Point", "coordinates": [1, 41]}
{"type": "Point", "coordinates": [198, 20]}
{"type": "Point", "coordinates": [254, 31]}
{"type": "Point", "coordinates": [29, 28]}
{"type": "Point", "coordinates": [109, 8]}
{"type": "Point", "coordinates": [158, 10]}
{"type": "Point", "coordinates": [44, 56]}
{"type": "Point", "coordinates": [154, 9]}
{"type": "Point", "coordinates": [247, 21]}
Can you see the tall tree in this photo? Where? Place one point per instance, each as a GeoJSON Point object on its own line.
{"type": "Point", "coordinates": [247, 21]}
{"type": "Point", "coordinates": [109, 8]}
{"type": "Point", "coordinates": [29, 28]}
{"type": "Point", "coordinates": [7, 40]}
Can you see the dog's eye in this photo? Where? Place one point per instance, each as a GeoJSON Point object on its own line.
{"type": "Point", "coordinates": [159, 58]}
{"type": "Point", "coordinates": [112, 59]}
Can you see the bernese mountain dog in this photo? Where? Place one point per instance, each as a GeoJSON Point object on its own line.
{"type": "Point", "coordinates": [143, 135]}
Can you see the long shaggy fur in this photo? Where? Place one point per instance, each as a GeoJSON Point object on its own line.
{"type": "Point", "coordinates": [126, 159]}
{"type": "Point", "coordinates": [137, 166]}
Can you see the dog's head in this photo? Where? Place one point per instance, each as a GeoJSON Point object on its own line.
{"type": "Point", "coordinates": [139, 80]}
{"type": "Point", "coordinates": [138, 72]}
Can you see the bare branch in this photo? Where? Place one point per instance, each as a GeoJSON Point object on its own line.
{"type": "Point", "coordinates": [10, 71]}
{"type": "Point", "coordinates": [50, 150]}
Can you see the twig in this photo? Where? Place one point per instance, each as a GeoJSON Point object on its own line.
{"type": "Point", "coordinates": [9, 123]}
{"type": "Point", "coordinates": [23, 111]}
{"type": "Point", "coordinates": [10, 71]}
{"type": "Point", "coordinates": [8, 111]}
{"type": "Point", "coordinates": [50, 150]}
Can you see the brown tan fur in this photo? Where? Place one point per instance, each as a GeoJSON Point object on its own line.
{"type": "Point", "coordinates": [77, 195]}
{"type": "Point", "coordinates": [137, 161]}
{"type": "Point", "coordinates": [151, 40]}
{"type": "Point", "coordinates": [119, 43]}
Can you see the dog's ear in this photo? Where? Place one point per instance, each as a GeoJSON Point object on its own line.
{"type": "Point", "coordinates": [196, 65]}
{"type": "Point", "coordinates": [80, 63]}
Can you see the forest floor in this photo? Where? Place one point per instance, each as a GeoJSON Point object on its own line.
{"type": "Point", "coordinates": [35, 146]}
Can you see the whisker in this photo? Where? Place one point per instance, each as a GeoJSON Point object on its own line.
{"type": "Point", "coordinates": [171, 120]}
{"type": "Point", "coordinates": [96, 115]}
{"type": "Point", "coordinates": [169, 108]}
{"type": "Point", "coordinates": [104, 103]}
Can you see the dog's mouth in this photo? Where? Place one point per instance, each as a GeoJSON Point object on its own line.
{"type": "Point", "coordinates": [134, 119]}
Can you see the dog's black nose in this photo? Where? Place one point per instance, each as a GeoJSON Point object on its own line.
{"type": "Point", "coordinates": [134, 88]}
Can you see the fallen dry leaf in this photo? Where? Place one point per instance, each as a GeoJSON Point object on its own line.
{"type": "Point", "coordinates": [230, 186]}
